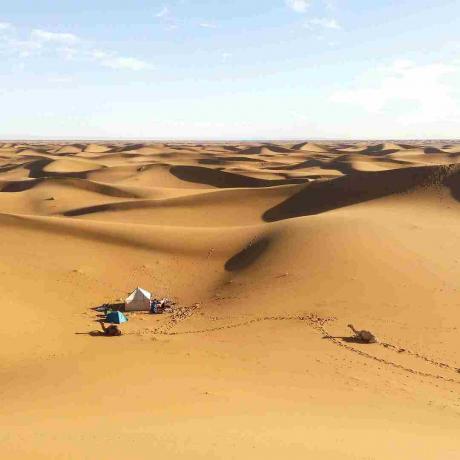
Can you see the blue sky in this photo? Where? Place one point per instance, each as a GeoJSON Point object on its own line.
{"type": "Point", "coordinates": [207, 69]}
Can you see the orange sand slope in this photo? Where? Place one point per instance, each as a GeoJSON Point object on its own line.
{"type": "Point", "coordinates": [270, 250]}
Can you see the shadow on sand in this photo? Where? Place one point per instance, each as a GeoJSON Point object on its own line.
{"type": "Point", "coordinates": [322, 196]}
{"type": "Point", "coordinates": [119, 306]}
{"type": "Point", "coordinates": [92, 333]}
{"type": "Point", "coordinates": [348, 339]}
{"type": "Point", "coordinates": [248, 255]}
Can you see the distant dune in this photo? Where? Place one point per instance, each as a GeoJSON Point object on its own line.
{"type": "Point", "coordinates": [269, 250]}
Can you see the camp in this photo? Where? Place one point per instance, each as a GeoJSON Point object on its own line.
{"type": "Point", "coordinates": [116, 317]}
{"type": "Point", "coordinates": [138, 300]}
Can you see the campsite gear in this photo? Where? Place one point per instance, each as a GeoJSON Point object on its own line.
{"type": "Point", "coordinates": [154, 306]}
{"type": "Point", "coordinates": [116, 317]}
{"type": "Point", "coordinates": [104, 308]}
{"type": "Point", "coordinates": [160, 306]}
{"type": "Point", "coordinates": [138, 300]}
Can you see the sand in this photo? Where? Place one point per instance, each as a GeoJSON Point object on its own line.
{"type": "Point", "coordinates": [269, 250]}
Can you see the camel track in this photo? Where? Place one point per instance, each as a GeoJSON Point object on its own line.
{"type": "Point", "coordinates": [316, 323]}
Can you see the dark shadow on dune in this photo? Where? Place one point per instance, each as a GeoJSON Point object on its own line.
{"type": "Point", "coordinates": [348, 339]}
{"type": "Point", "coordinates": [223, 179]}
{"type": "Point", "coordinates": [251, 150]}
{"type": "Point", "coordinates": [19, 185]}
{"type": "Point", "coordinates": [453, 182]}
{"type": "Point", "coordinates": [432, 150]}
{"type": "Point", "coordinates": [375, 149]}
{"type": "Point", "coordinates": [103, 189]}
{"type": "Point", "coordinates": [212, 161]}
{"type": "Point", "coordinates": [92, 333]}
{"type": "Point", "coordinates": [257, 150]}
{"type": "Point", "coordinates": [340, 146]}
{"type": "Point", "coordinates": [248, 255]}
{"type": "Point", "coordinates": [253, 160]}
{"type": "Point", "coordinates": [231, 148]}
{"type": "Point", "coordinates": [36, 170]}
{"type": "Point", "coordinates": [10, 167]}
{"type": "Point", "coordinates": [310, 163]}
{"type": "Point", "coordinates": [96, 208]}
{"type": "Point", "coordinates": [278, 148]}
{"type": "Point", "coordinates": [225, 160]}
{"type": "Point", "coordinates": [128, 148]}
{"type": "Point", "coordinates": [318, 197]}
{"type": "Point", "coordinates": [407, 146]}
{"type": "Point", "coordinates": [77, 146]}
{"type": "Point", "coordinates": [342, 164]}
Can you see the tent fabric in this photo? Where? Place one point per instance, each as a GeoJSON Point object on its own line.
{"type": "Point", "coordinates": [138, 300]}
{"type": "Point", "coordinates": [139, 292]}
{"type": "Point", "coordinates": [116, 317]}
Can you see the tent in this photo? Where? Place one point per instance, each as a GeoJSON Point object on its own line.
{"type": "Point", "coordinates": [116, 317]}
{"type": "Point", "coordinates": [138, 300]}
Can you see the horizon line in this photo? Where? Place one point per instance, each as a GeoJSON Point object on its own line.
{"type": "Point", "coordinates": [223, 140]}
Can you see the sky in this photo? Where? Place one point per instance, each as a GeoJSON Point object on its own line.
{"type": "Point", "coordinates": [239, 70]}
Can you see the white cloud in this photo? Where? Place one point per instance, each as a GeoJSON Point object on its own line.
{"type": "Point", "coordinates": [64, 45]}
{"type": "Point", "coordinates": [46, 36]}
{"type": "Point", "coordinates": [124, 63]}
{"type": "Point", "coordinates": [165, 16]}
{"type": "Point", "coordinates": [208, 25]}
{"type": "Point", "coordinates": [6, 26]}
{"type": "Point", "coordinates": [69, 53]}
{"type": "Point", "coordinates": [412, 93]}
{"type": "Point", "coordinates": [163, 12]}
{"type": "Point", "coordinates": [113, 61]}
{"type": "Point", "coordinates": [37, 41]}
{"type": "Point", "coordinates": [300, 6]}
{"type": "Point", "coordinates": [100, 54]}
{"type": "Point", "coordinates": [330, 5]}
{"type": "Point", "coordinates": [325, 23]}
{"type": "Point", "coordinates": [21, 48]}
{"type": "Point", "coordinates": [60, 79]}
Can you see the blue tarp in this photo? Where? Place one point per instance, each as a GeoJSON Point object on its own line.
{"type": "Point", "coordinates": [116, 317]}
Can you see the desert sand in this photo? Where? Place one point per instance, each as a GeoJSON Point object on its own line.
{"type": "Point", "coordinates": [269, 250]}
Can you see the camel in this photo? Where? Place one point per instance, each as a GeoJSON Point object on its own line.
{"type": "Point", "coordinates": [364, 336]}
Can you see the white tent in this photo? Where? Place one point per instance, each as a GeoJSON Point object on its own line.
{"type": "Point", "coordinates": [138, 300]}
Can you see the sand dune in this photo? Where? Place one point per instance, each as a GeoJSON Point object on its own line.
{"type": "Point", "coordinates": [270, 250]}
{"type": "Point", "coordinates": [66, 149]}
{"type": "Point", "coordinates": [96, 148]}
{"type": "Point", "coordinates": [69, 166]}
{"type": "Point", "coordinates": [310, 147]}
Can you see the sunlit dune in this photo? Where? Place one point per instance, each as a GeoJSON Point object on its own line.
{"type": "Point", "coordinates": [269, 251]}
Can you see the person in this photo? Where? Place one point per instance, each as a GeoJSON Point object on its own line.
{"type": "Point", "coordinates": [110, 331]}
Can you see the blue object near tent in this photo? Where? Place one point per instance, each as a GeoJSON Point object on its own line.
{"type": "Point", "coordinates": [154, 306]}
{"type": "Point", "coordinates": [116, 317]}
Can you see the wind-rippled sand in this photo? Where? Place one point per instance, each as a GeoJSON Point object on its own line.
{"type": "Point", "coordinates": [269, 250]}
